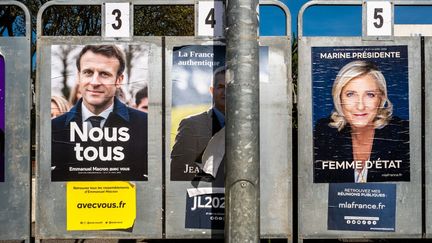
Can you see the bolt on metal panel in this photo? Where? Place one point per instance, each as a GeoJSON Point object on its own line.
{"type": "Point", "coordinates": [15, 190]}
{"type": "Point", "coordinates": [313, 197]}
{"type": "Point", "coordinates": [276, 146]}
{"type": "Point", "coordinates": [428, 135]}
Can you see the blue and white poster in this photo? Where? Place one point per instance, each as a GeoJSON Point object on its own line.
{"type": "Point", "coordinates": [198, 106]}
{"type": "Point", "coordinates": [360, 106]}
{"type": "Point", "coordinates": [362, 207]}
{"type": "Point", "coordinates": [205, 208]}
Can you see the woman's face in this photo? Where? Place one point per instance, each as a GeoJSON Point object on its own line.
{"type": "Point", "coordinates": [360, 99]}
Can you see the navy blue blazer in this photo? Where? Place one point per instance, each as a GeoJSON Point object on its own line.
{"type": "Point", "coordinates": [390, 143]}
{"type": "Point", "coordinates": [108, 165]}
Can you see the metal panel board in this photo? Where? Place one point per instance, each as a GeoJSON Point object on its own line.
{"type": "Point", "coordinates": [16, 188]}
{"type": "Point", "coordinates": [276, 137]}
{"type": "Point", "coordinates": [313, 198]}
{"type": "Point", "coordinates": [276, 141]}
{"type": "Point", "coordinates": [428, 133]}
{"type": "Point", "coordinates": [15, 221]}
{"type": "Point", "coordinates": [51, 196]}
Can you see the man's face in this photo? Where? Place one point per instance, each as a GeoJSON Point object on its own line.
{"type": "Point", "coordinates": [143, 105]}
{"type": "Point", "coordinates": [218, 92]}
{"type": "Point", "coordinates": [98, 80]}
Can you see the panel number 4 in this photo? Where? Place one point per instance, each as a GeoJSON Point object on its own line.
{"type": "Point", "coordinates": [210, 18]}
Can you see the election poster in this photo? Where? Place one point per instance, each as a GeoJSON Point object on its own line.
{"type": "Point", "coordinates": [360, 114]}
{"type": "Point", "coordinates": [2, 118]}
{"type": "Point", "coordinates": [197, 129]}
{"type": "Point", "coordinates": [102, 205]}
{"type": "Point", "coordinates": [198, 106]}
{"type": "Point", "coordinates": [99, 100]}
{"type": "Point", "coordinates": [205, 208]}
{"type": "Point", "coordinates": [198, 111]}
{"type": "Point", "coordinates": [362, 207]}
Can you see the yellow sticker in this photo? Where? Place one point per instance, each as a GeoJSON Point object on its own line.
{"type": "Point", "coordinates": [100, 205]}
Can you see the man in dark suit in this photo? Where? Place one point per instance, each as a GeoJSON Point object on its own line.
{"type": "Point", "coordinates": [100, 138]}
{"type": "Point", "coordinates": [195, 132]}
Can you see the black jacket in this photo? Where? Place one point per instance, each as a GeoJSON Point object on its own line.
{"type": "Point", "coordinates": [133, 167]}
{"type": "Point", "coordinates": [391, 143]}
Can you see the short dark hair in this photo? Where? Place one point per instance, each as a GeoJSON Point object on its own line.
{"type": "Point", "coordinates": [141, 94]}
{"type": "Point", "coordinates": [216, 72]}
{"type": "Point", "coordinates": [105, 50]}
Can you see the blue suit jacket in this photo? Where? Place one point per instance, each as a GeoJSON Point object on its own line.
{"type": "Point", "coordinates": [390, 143]}
{"type": "Point", "coordinates": [107, 165]}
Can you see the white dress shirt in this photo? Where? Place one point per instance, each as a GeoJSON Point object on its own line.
{"type": "Point", "coordinates": [86, 114]}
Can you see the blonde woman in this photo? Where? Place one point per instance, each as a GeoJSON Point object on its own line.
{"type": "Point", "coordinates": [59, 106]}
{"type": "Point", "coordinates": [361, 141]}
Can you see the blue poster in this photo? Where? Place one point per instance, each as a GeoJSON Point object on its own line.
{"type": "Point", "coordinates": [198, 106]}
{"type": "Point", "coordinates": [360, 106]}
{"type": "Point", "coordinates": [205, 208]}
{"type": "Point", "coordinates": [362, 207]}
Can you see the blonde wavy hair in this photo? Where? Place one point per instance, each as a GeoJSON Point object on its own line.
{"type": "Point", "coordinates": [62, 104]}
{"type": "Point", "coordinates": [349, 72]}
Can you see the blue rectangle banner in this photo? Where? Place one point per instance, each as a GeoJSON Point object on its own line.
{"type": "Point", "coordinates": [362, 207]}
{"type": "Point", "coordinates": [205, 208]}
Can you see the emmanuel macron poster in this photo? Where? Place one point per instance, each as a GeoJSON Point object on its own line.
{"type": "Point", "coordinates": [360, 114]}
{"type": "Point", "coordinates": [99, 121]}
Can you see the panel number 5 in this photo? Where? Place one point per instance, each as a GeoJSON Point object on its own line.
{"type": "Point", "coordinates": [117, 20]}
{"type": "Point", "coordinates": [210, 18]}
{"type": "Point", "coordinates": [379, 18]}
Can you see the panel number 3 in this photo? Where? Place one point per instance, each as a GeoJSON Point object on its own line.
{"type": "Point", "coordinates": [117, 19]}
{"type": "Point", "coordinates": [117, 14]}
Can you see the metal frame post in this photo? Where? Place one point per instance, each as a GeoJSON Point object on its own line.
{"type": "Point", "coordinates": [242, 127]}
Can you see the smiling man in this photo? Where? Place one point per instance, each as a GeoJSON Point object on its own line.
{"type": "Point", "coordinates": [100, 138]}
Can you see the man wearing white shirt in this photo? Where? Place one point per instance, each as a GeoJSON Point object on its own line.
{"type": "Point", "coordinates": [100, 138]}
